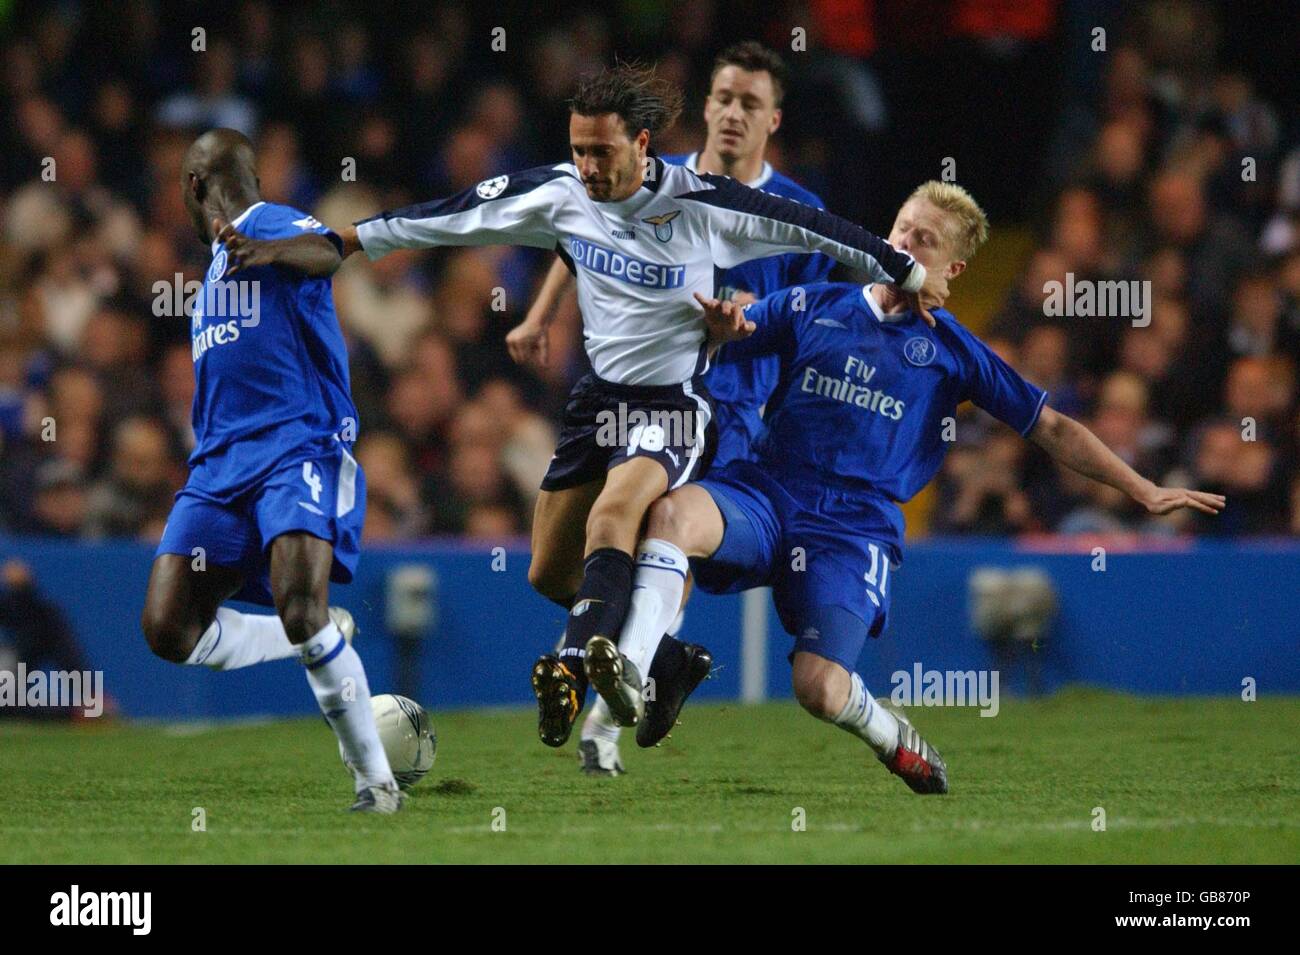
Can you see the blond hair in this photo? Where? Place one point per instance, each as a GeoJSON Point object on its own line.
{"type": "Point", "coordinates": [970, 225]}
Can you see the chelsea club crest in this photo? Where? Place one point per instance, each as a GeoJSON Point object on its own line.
{"type": "Point", "coordinates": [919, 351]}
{"type": "Point", "coordinates": [218, 266]}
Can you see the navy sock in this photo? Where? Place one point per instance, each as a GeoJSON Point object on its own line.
{"type": "Point", "coordinates": [600, 607]}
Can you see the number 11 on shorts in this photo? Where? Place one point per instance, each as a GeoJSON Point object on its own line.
{"type": "Point", "coordinates": [879, 564]}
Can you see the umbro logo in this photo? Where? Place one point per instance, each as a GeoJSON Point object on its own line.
{"type": "Point", "coordinates": [829, 323]}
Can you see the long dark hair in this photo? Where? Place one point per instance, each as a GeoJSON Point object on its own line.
{"type": "Point", "coordinates": [641, 98]}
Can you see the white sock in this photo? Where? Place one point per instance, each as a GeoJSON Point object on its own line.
{"type": "Point", "coordinates": [235, 640]}
{"type": "Point", "coordinates": [661, 570]}
{"type": "Point", "coordinates": [599, 724]}
{"type": "Point", "coordinates": [675, 627]}
{"type": "Point", "coordinates": [868, 720]}
{"type": "Point", "coordinates": [338, 679]}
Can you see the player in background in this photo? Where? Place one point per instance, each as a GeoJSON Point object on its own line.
{"type": "Point", "coordinates": [741, 112]}
{"type": "Point", "coordinates": [643, 239]}
{"type": "Point", "coordinates": [273, 506]}
{"type": "Point", "coordinates": [855, 426]}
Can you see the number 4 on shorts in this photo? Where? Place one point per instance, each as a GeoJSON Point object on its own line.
{"type": "Point", "coordinates": [313, 481]}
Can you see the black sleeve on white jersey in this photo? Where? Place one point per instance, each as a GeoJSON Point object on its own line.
{"type": "Point", "coordinates": [754, 224]}
{"type": "Point", "coordinates": [514, 209]}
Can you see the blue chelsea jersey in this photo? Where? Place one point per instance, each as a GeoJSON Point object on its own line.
{"type": "Point", "coordinates": [270, 363]}
{"type": "Point", "coordinates": [862, 396]}
{"type": "Point", "coordinates": [750, 382]}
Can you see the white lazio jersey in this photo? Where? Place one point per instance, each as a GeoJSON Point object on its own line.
{"type": "Point", "coordinates": [639, 262]}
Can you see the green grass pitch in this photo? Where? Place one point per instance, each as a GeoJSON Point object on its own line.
{"type": "Point", "coordinates": [1185, 780]}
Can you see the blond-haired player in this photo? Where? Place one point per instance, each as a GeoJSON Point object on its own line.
{"type": "Point", "coordinates": [854, 427]}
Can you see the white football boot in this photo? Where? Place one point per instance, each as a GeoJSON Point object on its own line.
{"type": "Point", "coordinates": [599, 757]}
{"type": "Point", "coordinates": [382, 800]}
{"type": "Point", "coordinates": [343, 620]}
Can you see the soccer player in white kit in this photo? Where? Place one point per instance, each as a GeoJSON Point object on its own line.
{"type": "Point", "coordinates": [742, 111]}
{"type": "Point", "coordinates": [643, 239]}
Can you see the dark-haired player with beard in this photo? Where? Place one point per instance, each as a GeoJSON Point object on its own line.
{"type": "Point", "coordinates": [741, 113]}
{"type": "Point", "coordinates": [643, 239]}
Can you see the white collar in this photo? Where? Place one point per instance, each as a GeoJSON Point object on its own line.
{"type": "Point", "coordinates": [693, 164]}
{"type": "Point", "coordinates": [876, 310]}
{"type": "Point", "coordinates": [239, 220]}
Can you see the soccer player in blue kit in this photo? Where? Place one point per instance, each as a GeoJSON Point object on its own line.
{"type": "Point", "coordinates": [273, 507]}
{"type": "Point", "coordinates": [741, 113]}
{"type": "Point", "coordinates": [854, 426]}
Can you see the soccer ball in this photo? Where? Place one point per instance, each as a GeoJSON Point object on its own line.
{"type": "Point", "coordinates": [407, 734]}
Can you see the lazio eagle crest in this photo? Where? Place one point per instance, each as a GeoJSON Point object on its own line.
{"type": "Point", "coordinates": [663, 224]}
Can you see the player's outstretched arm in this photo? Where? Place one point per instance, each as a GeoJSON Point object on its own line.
{"type": "Point", "coordinates": [515, 209]}
{"type": "Point", "coordinates": [311, 253]}
{"type": "Point", "coordinates": [749, 223]}
{"type": "Point", "coordinates": [527, 341]}
{"type": "Point", "coordinates": [1079, 449]}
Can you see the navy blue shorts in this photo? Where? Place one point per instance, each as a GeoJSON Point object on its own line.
{"type": "Point", "coordinates": [605, 424]}
{"type": "Point", "coordinates": [323, 495]}
{"type": "Point", "coordinates": [827, 554]}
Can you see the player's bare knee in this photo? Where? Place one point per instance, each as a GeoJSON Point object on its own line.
{"type": "Point", "coordinates": [815, 697]}
{"type": "Point", "coordinates": [538, 578]}
{"type": "Point", "coordinates": [552, 582]}
{"type": "Point", "coordinates": [611, 522]}
{"type": "Point", "coordinates": [665, 520]}
{"type": "Point", "coordinates": [168, 638]}
{"type": "Point", "coordinates": [814, 688]}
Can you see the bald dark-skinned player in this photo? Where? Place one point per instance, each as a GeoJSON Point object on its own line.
{"type": "Point", "coordinates": [273, 507]}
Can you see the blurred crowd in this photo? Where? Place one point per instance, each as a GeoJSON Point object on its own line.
{"type": "Point", "coordinates": [1181, 177]}
{"type": "Point", "coordinates": [354, 114]}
